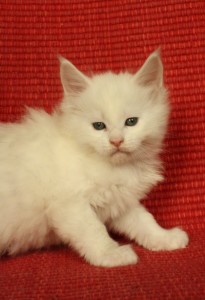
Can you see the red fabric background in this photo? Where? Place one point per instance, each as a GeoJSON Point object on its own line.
{"type": "Point", "coordinates": [99, 35]}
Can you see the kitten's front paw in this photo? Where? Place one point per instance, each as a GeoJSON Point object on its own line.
{"type": "Point", "coordinates": [176, 239]}
{"type": "Point", "coordinates": [120, 256]}
{"type": "Point", "coordinates": [171, 239]}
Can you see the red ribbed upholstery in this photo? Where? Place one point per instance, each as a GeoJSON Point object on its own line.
{"type": "Point", "coordinates": [99, 35]}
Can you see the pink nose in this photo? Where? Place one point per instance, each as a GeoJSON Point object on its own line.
{"type": "Point", "coordinates": [116, 143]}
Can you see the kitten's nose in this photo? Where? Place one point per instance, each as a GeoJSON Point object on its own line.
{"type": "Point", "coordinates": [116, 143]}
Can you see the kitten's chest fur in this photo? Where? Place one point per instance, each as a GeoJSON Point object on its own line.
{"type": "Point", "coordinates": [113, 190]}
{"type": "Point", "coordinates": [111, 200]}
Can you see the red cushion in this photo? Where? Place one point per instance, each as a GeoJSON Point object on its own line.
{"type": "Point", "coordinates": [100, 35]}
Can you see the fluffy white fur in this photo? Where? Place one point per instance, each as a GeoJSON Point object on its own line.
{"type": "Point", "coordinates": [64, 181]}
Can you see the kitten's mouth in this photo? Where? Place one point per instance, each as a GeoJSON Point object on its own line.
{"type": "Point", "coordinates": [119, 151]}
{"type": "Point", "coordinates": [120, 156]}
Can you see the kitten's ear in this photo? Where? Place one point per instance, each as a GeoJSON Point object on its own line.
{"type": "Point", "coordinates": [72, 79]}
{"type": "Point", "coordinates": [151, 73]}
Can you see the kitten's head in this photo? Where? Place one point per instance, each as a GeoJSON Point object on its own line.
{"type": "Point", "coordinates": [120, 117]}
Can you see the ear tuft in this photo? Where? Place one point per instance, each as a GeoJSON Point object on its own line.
{"type": "Point", "coordinates": [72, 79]}
{"type": "Point", "coordinates": [151, 73]}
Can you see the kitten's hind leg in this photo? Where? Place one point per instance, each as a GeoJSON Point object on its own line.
{"type": "Point", "coordinates": [139, 225]}
{"type": "Point", "coordinates": [79, 226]}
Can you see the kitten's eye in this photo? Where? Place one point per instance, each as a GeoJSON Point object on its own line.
{"type": "Point", "coordinates": [131, 121]}
{"type": "Point", "coordinates": [99, 125]}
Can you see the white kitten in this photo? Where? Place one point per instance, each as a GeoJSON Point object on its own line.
{"type": "Point", "coordinates": [70, 176]}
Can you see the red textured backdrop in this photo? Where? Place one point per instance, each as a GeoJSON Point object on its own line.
{"type": "Point", "coordinates": [99, 35]}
